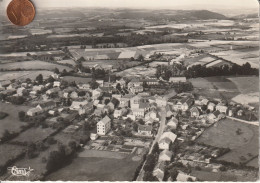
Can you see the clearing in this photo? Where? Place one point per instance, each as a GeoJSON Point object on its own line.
{"type": "Point", "coordinates": [12, 122]}
{"type": "Point", "coordinates": [244, 145]}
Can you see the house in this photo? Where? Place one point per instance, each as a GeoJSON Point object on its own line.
{"type": "Point", "coordinates": [136, 89]}
{"type": "Point", "coordinates": [222, 108]}
{"type": "Point", "coordinates": [55, 76]}
{"type": "Point", "coordinates": [122, 82]}
{"type": "Point", "coordinates": [131, 116]}
{"type": "Point", "coordinates": [12, 86]}
{"type": "Point", "coordinates": [165, 155]}
{"type": "Point", "coordinates": [33, 93]}
{"type": "Point", "coordinates": [214, 115]}
{"type": "Point", "coordinates": [135, 101]}
{"type": "Point", "coordinates": [37, 88]}
{"type": "Point", "coordinates": [46, 105]}
{"type": "Point", "coordinates": [52, 90]}
{"type": "Point", "coordinates": [74, 95]}
{"type": "Point", "coordinates": [120, 112]}
{"type": "Point", "coordinates": [124, 102]}
{"type": "Point", "coordinates": [169, 111]}
{"type": "Point", "coordinates": [56, 84]}
{"type": "Point", "coordinates": [84, 86]}
{"type": "Point", "coordinates": [86, 109]}
{"type": "Point", "coordinates": [194, 112]}
{"type": "Point", "coordinates": [104, 126]}
{"type": "Point", "coordinates": [151, 82]}
{"type": "Point", "coordinates": [76, 105]}
{"type": "Point", "coordinates": [152, 115]}
{"type": "Point", "coordinates": [177, 79]}
{"type": "Point", "coordinates": [4, 84]}
{"type": "Point", "coordinates": [183, 177]}
{"type": "Point", "coordinates": [184, 104]}
{"type": "Point", "coordinates": [138, 113]}
{"type": "Point", "coordinates": [240, 112]}
{"type": "Point", "coordinates": [108, 89]}
{"type": "Point", "coordinates": [135, 82]}
{"type": "Point", "coordinates": [96, 93]}
{"type": "Point", "coordinates": [145, 130]}
{"type": "Point", "coordinates": [20, 91]}
{"type": "Point", "coordinates": [204, 101]}
{"type": "Point", "coordinates": [161, 101]}
{"type": "Point", "coordinates": [100, 82]}
{"type": "Point", "coordinates": [34, 111]}
{"type": "Point", "coordinates": [211, 106]}
{"type": "Point", "coordinates": [164, 143]}
{"type": "Point", "coordinates": [159, 170]}
{"type": "Point", "coordinates": [93, 136]}
{"type": "Point", "coordinates": [173, 123]}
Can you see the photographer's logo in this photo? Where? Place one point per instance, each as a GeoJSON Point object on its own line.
{"type": "Point", "coordinates": [20, 171]}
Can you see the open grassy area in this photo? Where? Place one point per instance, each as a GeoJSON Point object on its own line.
{"type": "Point", "coordinates": [102, 154]}
{"type": "Point", "coordinates": [96, 169]}
{"type": "Point", "coordinates": [24, 74]}
{"type": "Point", "coordinates": [36, 64]}
{"type": "Point", "coordinates": [34, 135]}
{"type": "Point", "coordinates": [114, 63]}
{"type": "Point", "coordinates": [9, 152]}
{"type": "Point", "coordinates": [11, 122]}
{"type": "Point", "coordinates": [77, 79]}
{"type": "Point", "coordinates": [224, 134]}
{"type": "Point", "coordinates": [247, 84]}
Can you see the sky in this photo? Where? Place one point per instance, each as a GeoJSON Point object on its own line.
{"type": "Point", "coordinates": [149, 4]}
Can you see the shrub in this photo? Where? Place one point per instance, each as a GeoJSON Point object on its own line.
{"type": "Point", "coordinates": [3, 115]}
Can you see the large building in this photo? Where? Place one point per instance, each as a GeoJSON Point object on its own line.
{"type": "Point", "coordinates": [104, 126]}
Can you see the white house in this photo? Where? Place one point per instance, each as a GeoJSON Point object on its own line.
{"type": "Point", "coordinates": [159, 170]}
{"type": "Point", "coordinates": [165, 155]}
{"type": "Point", "coordinates": [34, 111]}
{"type": "Point", "coordinates": [164, 143]}
{"type": "Point", "coordinates": [173, 123]}
{"type": "Point", "coordinates": [152, 115]}
{"type": "Point", "coordinates": [145, 130]}
{"type": "Point", "coordinates": [139, 113]}
{"type": "Point", "coordinates": [222, 108]}
{"type": "Point", "coordinates": [120, 112]}
{"type": "Point", "coordinates": [161, 101]}
{"type": "Point", "coordinates": [183, 177]}
{"type": "Point", "coordinates": [177, 79]}
{"type": "Point", "coordinates": [93, 136]}
{"type": "Point", "coordinates": [104, 126]}
{"type": "Point", "coordinates": [211, 106]}
{"type": "Point", "coordinates": [77, 105]}
{"type": "Point", "coordinates": [20, 91]}
{"type": "Point", "coordinates": [56, 84]}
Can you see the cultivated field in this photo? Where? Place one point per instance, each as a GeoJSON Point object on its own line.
{"type": "Point", "coordinates": [34, 135]}
{"type": "Point", "coordinates": [137, 71]}
{"type": "Point", "coordinates": [244, 146]}
{"type": "Point", "coordinates": [96, 169]}
{"type": "Point", "coordinates": [101, 154]}
{"type": "Point", "coordinates": [247, 84]}
{"type": "Point", "coordinates": [115, 63]}
{"type": "Point", "coordinates": [77, 79]}
{"type": "Point", "coordinates": [33, 65]}
{"type": "Point", "coordinates": [24, 74]}
{"type": "Point", "coordinates": [9, 152]}
{"type": "Point", "coordinates": [215, 87]}
{"type": "Point", "coordinates": [11, 122]}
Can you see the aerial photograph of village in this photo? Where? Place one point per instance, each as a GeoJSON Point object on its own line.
{"type": "Point", "coordinates": [131, 93]}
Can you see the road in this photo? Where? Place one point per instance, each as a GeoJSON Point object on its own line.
{"type": "Point", "coordinates": [162, 113]}
{"type": "Point", "coordinates": [256, 123]}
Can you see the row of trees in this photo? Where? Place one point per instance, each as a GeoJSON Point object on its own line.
{"type": "Point", "coordinates": [202, 71]}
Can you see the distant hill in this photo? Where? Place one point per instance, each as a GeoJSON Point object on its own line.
{"type": "Point", "coordinates": [171, 14]}
{"type": "Point", "coordinates": [243, 16]}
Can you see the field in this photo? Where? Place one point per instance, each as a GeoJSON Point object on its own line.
{"type": "Point", "coordinates": [245, 84]}
{"type": "Point", "coordinates": [115, 63]}
{"type": "Point", "coordinates": [225, 176]}
{"type": "Point", "coordinates": [33, 65]}
{"type": "Point", "coordinates": [11, 122]}
{"type": "Point", "coordinates": [71, 62]}
{"type": "Point", "coordinates": [77, 79]}
{"type": "Point", "coordinates": [215, 87]}
{"type": "Point", "coordinates": [8, 152]}
{"type": "Point", "coordinates": [137, 71]}
{"type": "Point", "coordinates": [24, 74]}
{"type": "Point", "coordinates": [243, 146]}
{"type": "Point", "coordinates": [33, 135]}
{"type": "Point", "coordinates": [96, 169]}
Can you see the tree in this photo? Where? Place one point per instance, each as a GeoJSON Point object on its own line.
{"type": "Point", "coordinates": [140, 58]}
{"type": "Point", "coordinates": [51, 79]}
{"type": "Point", "coordinates": [107, 101]}
{"type": "Point", "coordinates": [39, 78]}
{"type": "Point", "coordinates": [94, 85]}
{"type": "Point", "coordinates": [21, 115]}
{"type": "Point", "coordinates": [135, 127]}
{"type": "Point", "coordinates": [56, 70]}
{"type": "Point", "coordinates": [81, 93]}
{"type": "Point", "coordinates": [173, 174]}
{"type": "Point", "coordinates": [141, 121]}
{"type": "Point", "coordinates": [150, 163]}
{"type": "Point", "coordinates": [156, 148]}
{"type": "Point", "coordinates": [148, 176]}
{"type": "Point", "coordinates": [204, 108]}
{"type": "Point", "coordinates": [73, 145]}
